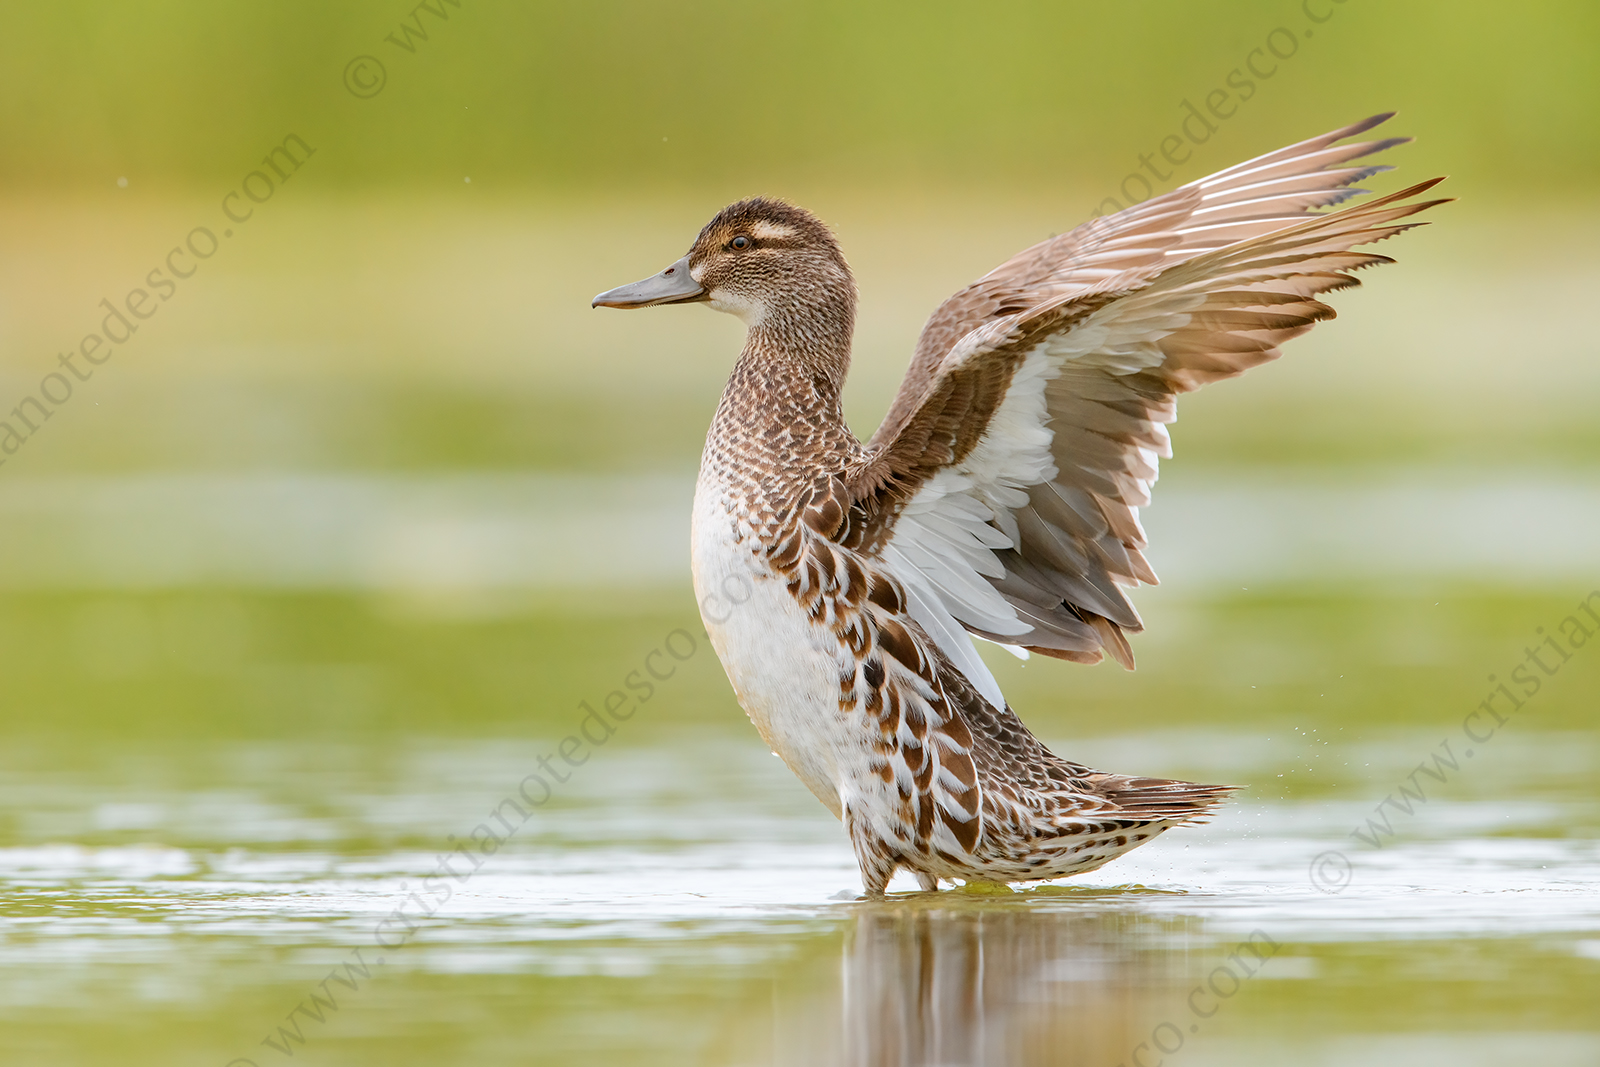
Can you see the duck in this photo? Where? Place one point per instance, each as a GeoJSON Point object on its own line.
{"type": "Point", "coordinates": [842, 583]}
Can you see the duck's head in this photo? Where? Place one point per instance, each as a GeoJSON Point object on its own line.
{"type": "Point", "coordinates": [759, 259]}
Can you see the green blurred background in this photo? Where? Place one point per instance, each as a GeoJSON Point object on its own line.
{"type": "Point", "coordinates": [715, 98]}
{"type": "Point", "coordinates": [412, 302]}
{"type": "Point", "coordinates": [377, 476]}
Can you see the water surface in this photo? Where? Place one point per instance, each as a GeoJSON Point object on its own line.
{"type": "Point", "coordinates": [685, 901]}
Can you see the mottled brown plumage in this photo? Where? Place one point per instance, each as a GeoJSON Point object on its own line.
{"type": "Point", "coordinates": [999, 497]}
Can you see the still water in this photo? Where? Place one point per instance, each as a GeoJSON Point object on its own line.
{"type": "Point", "coordinates": [683, 900]}
{"type": "Point", "coordinates": [281, 780]}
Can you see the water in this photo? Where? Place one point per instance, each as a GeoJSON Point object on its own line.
{"type": "Point", "coordinates": [685, 901]}
{"type": "Point", "coordinates": [547, 530]}
{"type": "Point", "coordinates": [249, 720]}
{"type": "Point", "coordinates": [231, 767]}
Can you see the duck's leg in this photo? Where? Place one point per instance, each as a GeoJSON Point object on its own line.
{"type": "Point", "coordinates": [928, 882]}
{"type": "Point", "coordinates": [875, 879]}
{"type": "Point", "coordinates": [877, 863]}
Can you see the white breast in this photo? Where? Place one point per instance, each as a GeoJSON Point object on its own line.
{"type": "Point", "coordinates": [783, 667]}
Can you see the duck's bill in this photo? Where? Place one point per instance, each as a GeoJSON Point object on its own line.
{"type": "Point", "coordinates": [671, 286]}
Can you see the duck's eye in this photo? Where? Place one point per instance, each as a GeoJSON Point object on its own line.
{"type": "Point", "coordinates": [741, 243]}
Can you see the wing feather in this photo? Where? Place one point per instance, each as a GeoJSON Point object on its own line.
{"type": "Point", "coordinates": [1006, 480]}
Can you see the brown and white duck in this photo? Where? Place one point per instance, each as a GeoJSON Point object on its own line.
{"type": "Point", "coordinates": [840, 581]}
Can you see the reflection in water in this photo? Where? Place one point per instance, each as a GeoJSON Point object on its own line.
{"type": "Point", "coordinates": [955, 980]}
{"type": "Point", "coordinates": [168, 901]}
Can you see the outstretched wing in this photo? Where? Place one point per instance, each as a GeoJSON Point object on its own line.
{"type": "Point", "coordinates": [1248, 200]}
{"type": "Point", "coordinates": [1005, 483]}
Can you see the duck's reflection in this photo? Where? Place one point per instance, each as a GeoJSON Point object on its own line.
{"type": "Point", "coordinates": [931, 981]}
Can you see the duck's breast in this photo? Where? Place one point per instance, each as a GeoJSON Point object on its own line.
{"type": "Point", "coordinates": [783, 666]}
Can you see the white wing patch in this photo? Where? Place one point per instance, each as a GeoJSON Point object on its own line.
{"type": "Point", "coordinates": [930, 606]}
{"type": "Point", "coordinates": [944, 540]}
{"type": "Point", "coordinates": [1121, 337]}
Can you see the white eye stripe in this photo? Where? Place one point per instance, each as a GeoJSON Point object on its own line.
{"type": "Point", "coordinates": [772, 231]}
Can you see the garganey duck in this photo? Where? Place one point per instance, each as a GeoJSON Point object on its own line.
{"type": "Point", "coordinates": [839, 582]}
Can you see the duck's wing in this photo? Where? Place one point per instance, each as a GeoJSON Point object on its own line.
{"type": "Point", "coordinates": [1006, 496]}
{"type": "Point", "coordinates": [1244, 201]}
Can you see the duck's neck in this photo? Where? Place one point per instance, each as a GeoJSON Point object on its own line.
{"type": "Point", "coordinates": [804, 338]}
{"type": "Point", "coordinates": [780, 416]}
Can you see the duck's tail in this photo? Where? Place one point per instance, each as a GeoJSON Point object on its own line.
{"type": "Point", "coordinates": [1163, 799]}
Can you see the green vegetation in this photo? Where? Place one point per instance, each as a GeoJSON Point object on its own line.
{"type": "Point", "coordinates": [253, 664]}
{"type": "Point", "coordinates": [637, 96]}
